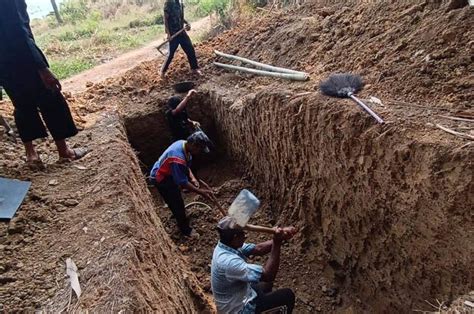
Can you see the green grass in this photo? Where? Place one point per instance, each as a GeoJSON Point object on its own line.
{"type": "Point", "coordinates": [97, 31]}
{"type": "Point", "coordinates": [64, 68]}
{"type": "Point", "coordinates": [75, 47]}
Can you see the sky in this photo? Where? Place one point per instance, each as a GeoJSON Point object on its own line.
{"type": "Point", "coordinates": [40, 8]}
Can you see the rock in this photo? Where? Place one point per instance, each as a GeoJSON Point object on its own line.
{"type": "Point", "coordinates": [70, 202]}
{"type": "Point", "coordinates": [412, 10]}
{"type": "Point", "coordinates": [15, 228]}
{"type": "Point", "coordinates": [455, 4]}
{"type": "Point", "coordinates": [53, 182]}
{"type": "Point", "coordinates": [6, 279]}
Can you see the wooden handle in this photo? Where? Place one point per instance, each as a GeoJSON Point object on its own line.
{"type": "Point", "coordinates": [366, 108]}
{"type": "Point", "coordinates": [259, 229]}
{"type": "Point", "coordinates": [170, 39]}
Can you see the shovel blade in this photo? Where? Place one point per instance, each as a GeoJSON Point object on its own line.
{"type": "Point", "coordinates": [243, 207]}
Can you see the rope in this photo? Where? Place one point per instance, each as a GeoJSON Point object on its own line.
{"type": "Point", "coordinates": [198, 203]}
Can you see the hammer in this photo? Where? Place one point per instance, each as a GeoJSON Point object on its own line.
{"type": "Point", "coordinates": [168, 40]}
{"type": "Point", "coordinates": [242, 209]}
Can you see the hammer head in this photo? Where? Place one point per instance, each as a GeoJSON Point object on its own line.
{"type": "Point", "coordinates": [243, 207]}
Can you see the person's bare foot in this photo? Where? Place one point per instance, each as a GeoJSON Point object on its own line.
{"type": "Point", "coordinates": [31, 153]}
{"type": "Point", "coordinates": [32, 156]}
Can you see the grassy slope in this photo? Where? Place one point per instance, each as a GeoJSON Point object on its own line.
{"type": "Point", "coordinates": [80, 45]}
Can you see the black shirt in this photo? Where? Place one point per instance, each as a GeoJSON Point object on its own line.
{"type": "Point", "coordinates": [178, 124]}
{"type": "Point", "coordinates": [17, 44]}
{"type": "Point", "coordinates": [175, 12]}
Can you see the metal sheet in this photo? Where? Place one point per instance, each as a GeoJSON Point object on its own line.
{"type": "Point", "coordinates": [12, 193]}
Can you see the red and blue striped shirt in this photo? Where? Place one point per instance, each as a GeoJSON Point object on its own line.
{"type": "Point", "coordinates": [173, 162]}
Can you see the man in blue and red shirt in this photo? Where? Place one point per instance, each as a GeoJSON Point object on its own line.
{"type": "Point", "coordinates": [172, 172]}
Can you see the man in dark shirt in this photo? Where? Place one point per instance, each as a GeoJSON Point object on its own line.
{"type": "Point", "coordinates": [174, 22]}
{"type": "Point", "coordinates": [33, 89]}
{"type": "Point", "coordinates": [176, 114]}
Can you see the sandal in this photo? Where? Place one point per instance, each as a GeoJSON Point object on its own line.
{"type": "Point", "coordinates": [78, 154]}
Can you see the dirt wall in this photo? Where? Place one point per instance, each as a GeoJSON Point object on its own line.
{"type": "Point", "coordinates": [389, 206]}
{"type": "Point", "coordinates": [97, 211]}
{"type": "Point", "coordinates": [148, 131]}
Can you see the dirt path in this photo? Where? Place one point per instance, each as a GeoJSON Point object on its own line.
{"type": "Point", "coordinates": [125, 62]}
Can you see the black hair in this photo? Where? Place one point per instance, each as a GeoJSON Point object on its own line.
{"type": "Point", "coordinates": [226, 236]}
{"type": "Point", "coordinates": [174, 101]}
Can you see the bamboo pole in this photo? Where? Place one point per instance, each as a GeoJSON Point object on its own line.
{"type": "Point", "coordinates": [459, 134]}
{"type": "Point", "coordinates": [263, 66]}
{"type": "Point", "coordinates": [287, 76]}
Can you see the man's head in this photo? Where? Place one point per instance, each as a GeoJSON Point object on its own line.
{"type": "Point", "coordinates": [174, 101]}
{"type": "Point", "coordinates": [198, 143]}
{"type": "Point", "coordinates": [230, 233]}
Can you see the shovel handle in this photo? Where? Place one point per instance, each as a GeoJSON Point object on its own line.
{"type": "Point", "coordinates": [366, 108]}
{"type": "Point", "coordinates": [170, 39]}
{"type": "Point", "coordinates": [259, 229]}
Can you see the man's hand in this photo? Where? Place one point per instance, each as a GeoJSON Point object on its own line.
{"type": "Point", "coordinates": [49, 80]}
{"type": "Point", "coordinates": [208, 194]}
{"type": "Point", "coordinates": [195, 183]}
{"type": "Point", "coordinates": [196, 124]}
{"type": "Point", "coordinates": [282, 234]}
{"type": "Point", "coordinates": [187, 27]}
{"type": "Point", "coordinates": [191, 93]}
{"type": "Point", "coordinates": [288, 232]}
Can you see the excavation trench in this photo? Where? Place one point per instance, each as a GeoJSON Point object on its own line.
{"type": "Point", "coordinates": [383, 212]}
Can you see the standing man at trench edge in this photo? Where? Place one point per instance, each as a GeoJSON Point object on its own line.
{"type": "Point", "coordinates": [172, 172]}
{"type": "Point", "coordinates": [175, 22]}
{"type": "Point", "coordinates": [33, 89]}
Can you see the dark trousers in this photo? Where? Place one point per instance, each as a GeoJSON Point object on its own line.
{"type": "Point", "coordinates": [279, 301]}
{"type": "Point", "coordinates": [30, 98]}
{"type": "Point", "coordinates": [184, 41]}
{"type": "Point", "coordinates": [172, 196]}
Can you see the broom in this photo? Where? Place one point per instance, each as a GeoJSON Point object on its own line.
{"type": "Point", "coordinates": [345, 85]}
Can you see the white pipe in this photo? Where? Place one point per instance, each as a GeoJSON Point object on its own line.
{"type": "Point", "coordinates": [287, 76]}
{"type": "Point", "coordinates": [264, 66]}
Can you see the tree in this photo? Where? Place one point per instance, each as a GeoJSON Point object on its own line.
{"type": "Point", "coordinates": [56, 12]}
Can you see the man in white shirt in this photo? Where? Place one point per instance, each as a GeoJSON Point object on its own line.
{"type": "Point", "coordinates": [241, 287]}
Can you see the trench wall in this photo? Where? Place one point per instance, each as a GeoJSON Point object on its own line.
{"type": "Point", "coordinates": [136, 268]}
{"type": "Point", "coordinates": [390, 208]}
{"type": "Point", "coordinates": [148, 131]}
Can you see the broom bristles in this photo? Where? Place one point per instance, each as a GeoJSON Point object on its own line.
{"type": "Point", "coordinates": [341, 84]}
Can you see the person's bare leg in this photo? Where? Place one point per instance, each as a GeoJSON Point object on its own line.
{"type": "Point", "coordinates": [64, 150]}
{"type": "Point", "coordinates": [31, 154]}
